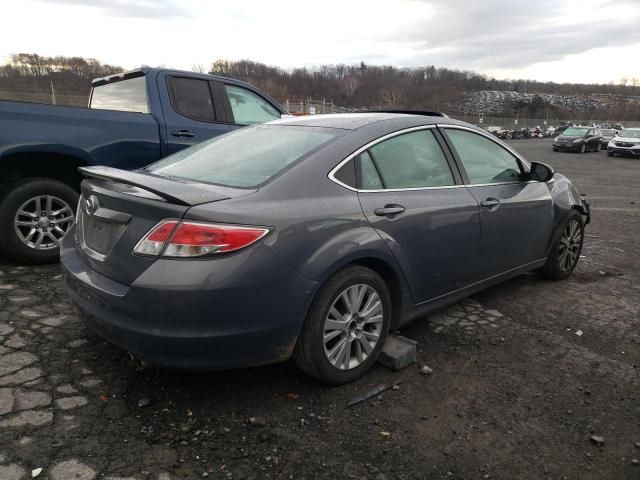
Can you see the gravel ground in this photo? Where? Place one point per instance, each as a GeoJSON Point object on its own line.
{"type": "Point", "coordinates": [516, 392]}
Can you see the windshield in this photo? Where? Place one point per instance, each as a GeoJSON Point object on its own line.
{"type": "Point", "coordinates": [126, 95]}
{"type": "Point", "coordinates": [608, 132]}
{"type": "Point", "coordinates": [244, 158]}
{"type": "Point", "coordinates": [575, 132]}
{"type": "Point", "coordinates": [630, 134]}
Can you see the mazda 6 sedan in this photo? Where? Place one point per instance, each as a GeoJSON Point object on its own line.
{"type": "Point", "coordinates": [310, 238]}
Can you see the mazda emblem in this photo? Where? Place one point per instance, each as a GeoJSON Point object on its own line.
{"type": "Point", "coordinates": [91, 204]}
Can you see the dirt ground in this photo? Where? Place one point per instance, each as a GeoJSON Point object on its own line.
{"type": "Point", "coordinates": [526, 377]}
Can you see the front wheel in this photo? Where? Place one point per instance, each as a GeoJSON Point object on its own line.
{"type": "Point", "coordinates": [582, 148]}
{"type": "Point", "coordinates": [34, 217]}
{"type": "Point", "coordinates": [609, 154]}
{"type": "Point", "coordinates": [346, 326]}
{"type": "Point", "coordinates": [565, 253]}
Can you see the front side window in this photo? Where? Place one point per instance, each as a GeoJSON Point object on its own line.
{"type": "Point", "coordinates": [249, 108]}
{"type": "Point", "coordinates": [484, 160]}
{"type": "Point", "coordinates": [191, 98]}
{"type": "Point", "coordinates": [243, 158]}
{"type": "Point", "coordinates": [128, 95]}
{"type": "Point", "coordinates": [410, 160]}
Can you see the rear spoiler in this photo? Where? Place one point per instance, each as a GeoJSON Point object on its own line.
{"type": "Point", "coordinates": [174, 190]}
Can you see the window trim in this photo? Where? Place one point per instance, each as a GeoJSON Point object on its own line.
{"type": "Point", "coordinates": [372, 143]}
{"type": "Point", "coordinates": [172, 100]}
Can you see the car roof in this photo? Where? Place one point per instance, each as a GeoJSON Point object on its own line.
{"type": "Point", "coordinates": [354, 121]}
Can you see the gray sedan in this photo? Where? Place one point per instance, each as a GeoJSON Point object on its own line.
{"type": "Point", "coordinates": [310, 238]}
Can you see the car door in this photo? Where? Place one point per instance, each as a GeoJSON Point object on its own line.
{"type": "Point", "coordinates": [516, 214]}
{"type": "Point", "coordinates": [189, 111]}
{"type": "Point", "coordinates": [415, 201]}
{"type": "Point", "coordinates": [246, 107]}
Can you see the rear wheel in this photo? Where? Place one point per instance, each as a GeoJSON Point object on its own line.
{"type": "Point", "coordinates": [596, 148]}
{"type": "Point", "coordinates": [34, 217]}
{"type": "Point", "coordinates": [565, 253]}
{"type": "Point", "coordinates": [582, 148]}
{"type": "Point", "coordinates": [346, 326]}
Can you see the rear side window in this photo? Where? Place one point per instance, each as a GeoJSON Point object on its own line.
{"type": "Point", "coordinates": [410, 160]}
{"type": "Point", "coordinates": [249, 108]}
{"type": "Point", "coordinates": [369, 177]}
{"type": "Point", "coordinates": [126, 95]}
{"type": "Point", "coordinates": [484, 160]}
{"type": "Point", "coordinates": [243, 158]}
{"type": "Point", "coordinates": [191, 98]}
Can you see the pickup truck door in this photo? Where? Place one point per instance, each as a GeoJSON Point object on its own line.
{"type": "Point", "coordinates": [190, 113]}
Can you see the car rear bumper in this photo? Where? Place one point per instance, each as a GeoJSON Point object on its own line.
{"type": "Point", "coordinates": [245, 309]}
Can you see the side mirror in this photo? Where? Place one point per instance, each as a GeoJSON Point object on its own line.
{"type": "Point", "coordinates": [541, 172]}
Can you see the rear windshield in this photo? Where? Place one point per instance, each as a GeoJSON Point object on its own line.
{"type": "Point", "coordinates": [607, 132]}
{"type": "Point", "coordinates": [630, 133]}
{"type": "Point", "coordinates": [126, 95]}
{"type": "Point", "coordinates": [244, 158]}
{"type": "Point", "coordinates": [575, 132]}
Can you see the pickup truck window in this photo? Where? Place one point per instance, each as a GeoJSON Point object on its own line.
{"type": "Point", "coordinates": [126, 95]}
{"type": "Point", "coordinates": [249, 108]}
{"type": "Point", "coordinates": [191, 98]}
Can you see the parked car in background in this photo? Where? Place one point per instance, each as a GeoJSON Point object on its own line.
{"type": "Point", "coordinates": [133, 119]}
{"type": "Point", "coordinates": [607, 135]}
{"type": "Point", "coordinates": [626, 142]}
{"type": "Point", "coordinates": [578, 139]}
{"type": "Point", "coordinates": [310, 237]}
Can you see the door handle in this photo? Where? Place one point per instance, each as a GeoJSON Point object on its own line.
{"type": "Point", "coordinates": [490, 203]}
{"type": "Point", "coordinates": [182, 133]}
{"type": "Point", "coordinates": [389, 210]}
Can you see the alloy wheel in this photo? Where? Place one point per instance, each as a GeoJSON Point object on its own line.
{"type": "Point", "coordinates": [353, 326]}
{"type": "Point", "coordinates": [42, 222]}
{"type": "Point", "coordinates": [570, 243]}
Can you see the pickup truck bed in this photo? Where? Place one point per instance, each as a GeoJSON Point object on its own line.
{"type": "Point", "coordinates": [133, 119]}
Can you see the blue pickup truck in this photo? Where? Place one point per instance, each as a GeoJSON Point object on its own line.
{"type": "Point", "coordinates": [134, 118]}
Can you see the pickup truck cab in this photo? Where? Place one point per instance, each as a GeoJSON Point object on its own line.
{"type": "Point", "coordinates": [133, 119]}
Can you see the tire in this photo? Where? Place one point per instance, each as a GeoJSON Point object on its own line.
{"type": "Point", "coordinates": [313, 353]}
{"type": "Point", "coordinates": [558, 267]}
{"type": "Point", "coordinates": [582, 148]}
{"type": "Point", "coordinates": [609, 154]}
{"type": "Point", "coordinates": [596, 147]}
{"type": "Point", "coordinates": [554, 149]}
{"type": "Point", "coordinates": [50, 229]}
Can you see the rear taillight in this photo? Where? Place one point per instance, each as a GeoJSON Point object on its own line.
{"type": "Point", "coordinates": [173, 238]}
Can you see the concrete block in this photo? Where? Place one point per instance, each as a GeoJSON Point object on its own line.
{"type": "Point", "coordinates": [398, 352]}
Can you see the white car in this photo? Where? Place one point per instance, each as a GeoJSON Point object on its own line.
{"type": "Point", "coordinates": [626, 142]}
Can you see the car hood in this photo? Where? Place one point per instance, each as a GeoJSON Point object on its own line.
{"type": "Point", "coordinates": [627, 139]}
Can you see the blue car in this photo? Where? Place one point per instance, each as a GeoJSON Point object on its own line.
{"type": "Point", "coordinates": [310, 238]}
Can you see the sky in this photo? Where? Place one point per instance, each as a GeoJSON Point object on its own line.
{"type": "Point", "coordinates": [581, 41]}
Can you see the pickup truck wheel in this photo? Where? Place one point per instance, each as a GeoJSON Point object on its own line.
{"type": "Point", "coordinates": [34, 217]}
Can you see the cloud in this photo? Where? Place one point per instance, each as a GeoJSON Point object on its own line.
{"type": "Point", "coordinates": [146, 9]}
{"type": "Point", "coordinates": [508, 34]}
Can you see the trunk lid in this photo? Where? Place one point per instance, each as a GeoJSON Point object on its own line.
{"type": "Point", "coordinates": [117, 208]}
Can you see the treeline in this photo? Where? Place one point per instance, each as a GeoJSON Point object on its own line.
{"type": "Point", "coordinates": [368, 85]}
{"type": "Point", "coordinates": [67, 80]}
